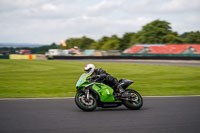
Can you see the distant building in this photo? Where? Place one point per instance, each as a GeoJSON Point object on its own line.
{"type": "Point", "coordinates": [58, 52]}
{"type": "Point", "coordinates": [23, 51]}
{"type": "Point", "coordinates": [164, 49]}
{"type": "Point", "coordinates": [4, 52]}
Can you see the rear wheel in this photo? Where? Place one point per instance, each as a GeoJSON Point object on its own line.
{"type": "Point", "coordinates": [135, 102]}
{"type": "Point", "coordinates": [85, 104]}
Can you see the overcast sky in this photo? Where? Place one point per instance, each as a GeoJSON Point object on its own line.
{"type": "Point", "coordinates": [47, 21]}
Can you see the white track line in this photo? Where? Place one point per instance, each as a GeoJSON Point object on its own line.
{"type": "Point", "coordinates": [57, 98]}
{"type": "Point", "coordinates": [174, 96]}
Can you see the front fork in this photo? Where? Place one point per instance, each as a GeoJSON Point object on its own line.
{"type": "Point", "coordinates": [87, 93]}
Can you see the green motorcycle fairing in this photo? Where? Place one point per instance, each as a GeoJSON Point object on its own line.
{"type": "Point", "coordinates": [105, 92]}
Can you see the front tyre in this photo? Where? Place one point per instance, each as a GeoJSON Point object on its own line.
{"type": "Point", "coordinates": [135, 102]}
{"type": "Point", "coordinates": [85, 104]}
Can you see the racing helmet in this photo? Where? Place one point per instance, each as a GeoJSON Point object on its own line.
{"type": "Point", "coordinates": [89, 68]}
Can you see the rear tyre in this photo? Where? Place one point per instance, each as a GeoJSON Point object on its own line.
{"type": "Point", "coordinates": [84, 104]}
{"type": "Point", "coordinates": [134, 103]}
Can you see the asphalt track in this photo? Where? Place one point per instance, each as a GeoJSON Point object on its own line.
{"type": "Point", "coordinates": [158, 115]}
{"type": "Point", "coordinates": [195, 63]}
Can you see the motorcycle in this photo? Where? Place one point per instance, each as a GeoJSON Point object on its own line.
{"type": "Point", "coordinates": [91, 94]}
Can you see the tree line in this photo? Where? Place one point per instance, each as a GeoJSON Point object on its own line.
{"type": "Point", "coordinates": [155, 32]}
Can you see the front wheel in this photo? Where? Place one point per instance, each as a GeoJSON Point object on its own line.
{"type": "Point", "coordinates": [85, 104]}
{"type": "Point", "coordinates": [135, 102]}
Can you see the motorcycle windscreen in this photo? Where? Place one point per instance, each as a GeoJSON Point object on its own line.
{"type": "Point", "coordinates": [82, 78]}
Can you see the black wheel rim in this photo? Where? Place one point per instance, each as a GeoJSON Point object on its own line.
{"type": "Point", "coordinates": [136, 100]}
{"type": "Point", "coordinates": [86, 103]}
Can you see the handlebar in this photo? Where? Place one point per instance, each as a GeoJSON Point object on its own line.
{"type": "Point", "coordinates": [90, 84]}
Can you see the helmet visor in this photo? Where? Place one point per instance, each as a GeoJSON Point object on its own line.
{"type": "Point", "coordinates": [88, 71]}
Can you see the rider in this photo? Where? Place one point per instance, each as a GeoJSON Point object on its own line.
{"type": "Point", "coordinates": [101, 75]}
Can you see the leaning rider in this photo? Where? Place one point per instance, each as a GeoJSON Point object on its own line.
{"type": "Point", "coordinates": [101, 76]}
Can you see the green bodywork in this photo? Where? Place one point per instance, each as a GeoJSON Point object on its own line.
{"type": "Point", "coordinates": [105, 92]}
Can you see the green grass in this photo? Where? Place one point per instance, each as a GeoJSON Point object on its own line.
{"type": "Point", "coordinates": [24, 78]}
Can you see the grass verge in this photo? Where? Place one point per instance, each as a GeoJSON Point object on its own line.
{"type": "Point", "coordinates": [24, 78]}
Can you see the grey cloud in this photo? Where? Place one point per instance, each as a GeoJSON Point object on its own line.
{"type": "Point", "coordinates": [104, 8]}
{"type": "Point", "coordinates": [42, 10]}
{"type": "Point", "coordinates": [47, 21]}
{"type": "Point", "coordinates": [179, 6]}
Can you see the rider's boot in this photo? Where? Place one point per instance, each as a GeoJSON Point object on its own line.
{"type": "Point", "coordinates": [120, 89]}
{"type": "Point", "coordinates": [118, 93]}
